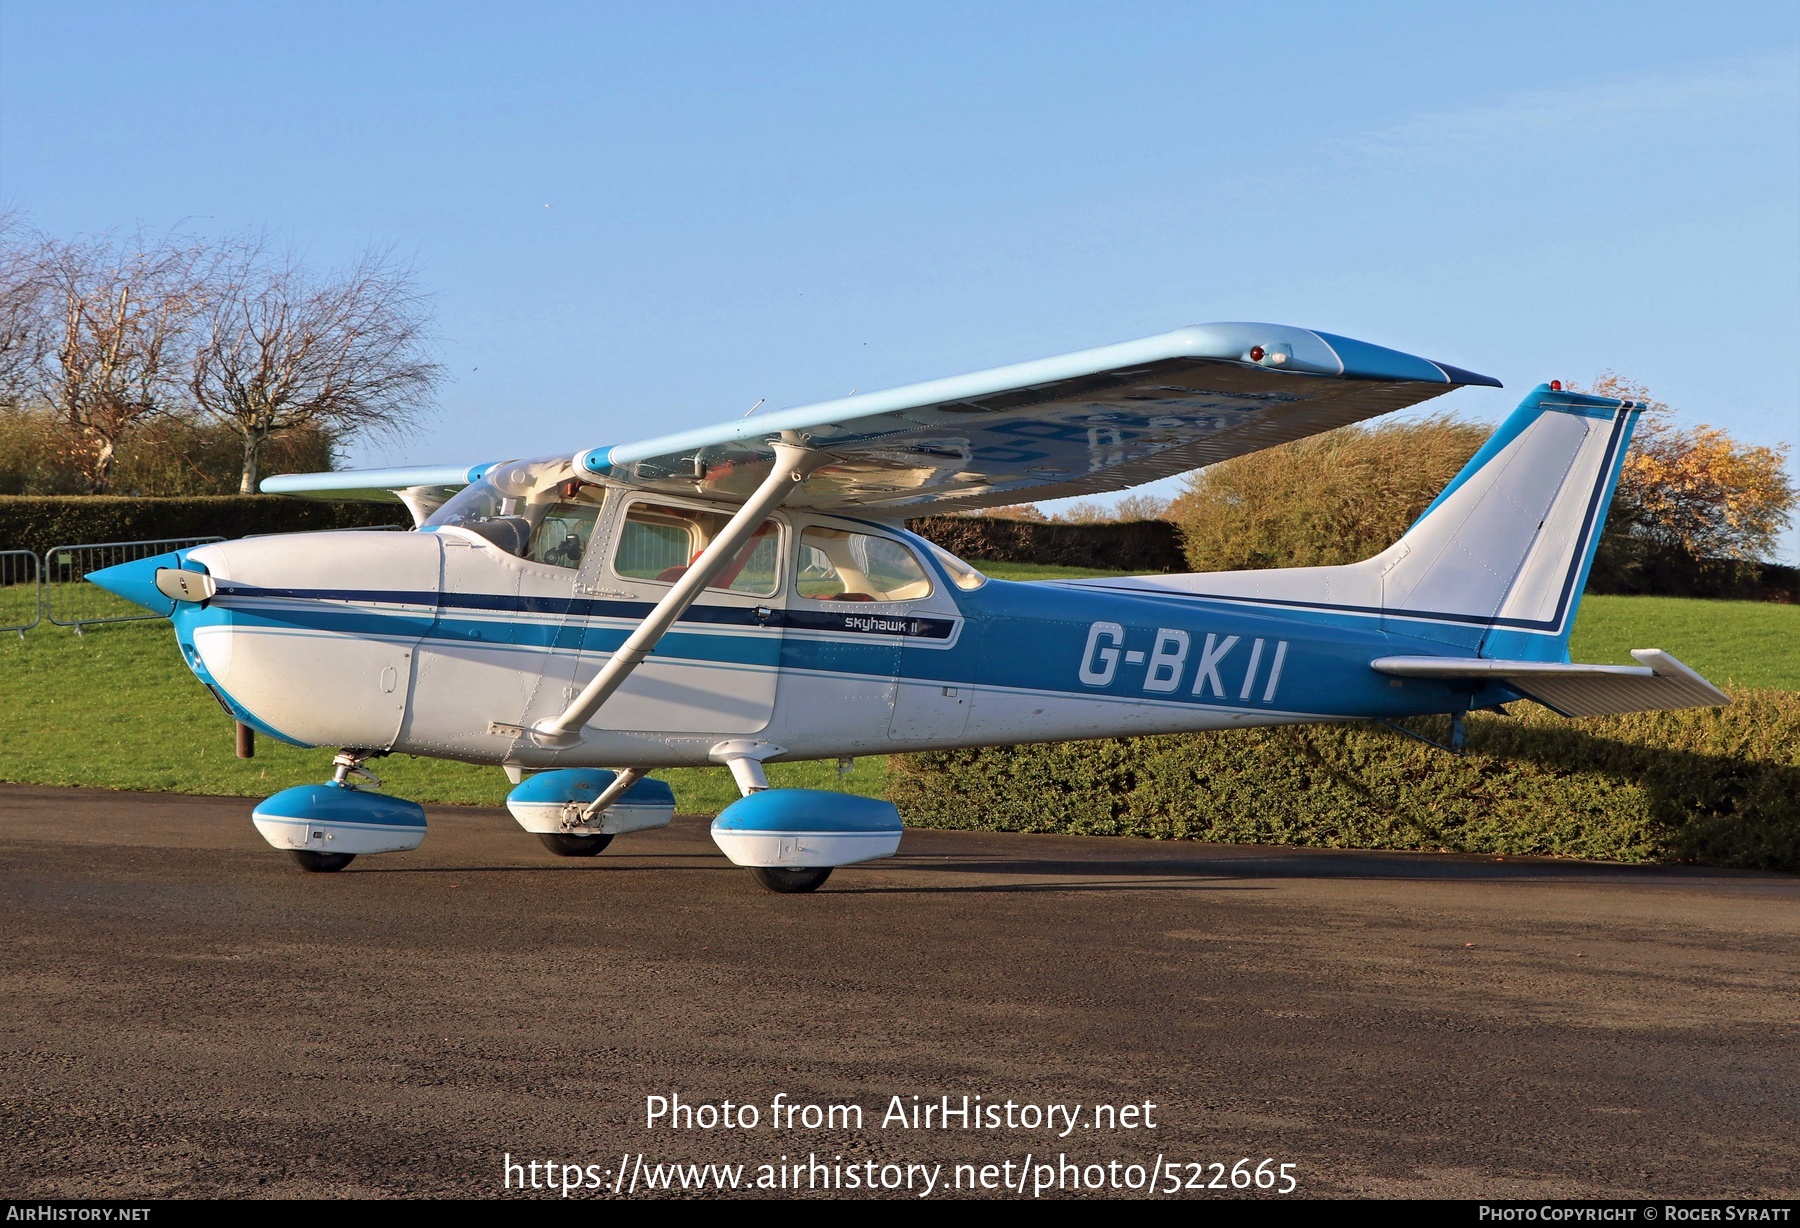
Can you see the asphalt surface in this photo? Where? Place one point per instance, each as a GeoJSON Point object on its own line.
{"type": "Point", "coordinates": [182, 1012]}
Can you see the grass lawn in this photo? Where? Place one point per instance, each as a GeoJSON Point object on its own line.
{"type": "Point", "coordinates": [1738, 643]}
{"type": "Point", "coordinates": [116, 709]}
{"type": "Point", "coordinates": [1038, 571]}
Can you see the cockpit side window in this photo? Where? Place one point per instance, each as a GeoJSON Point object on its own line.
{"type": "Point", "coordinates": [562, 536]}
{"type": "Point", "coordinates": [841, 565]}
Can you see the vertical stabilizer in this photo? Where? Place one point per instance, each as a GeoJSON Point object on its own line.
{"type": "Point", "coordinates": [1498, 560]}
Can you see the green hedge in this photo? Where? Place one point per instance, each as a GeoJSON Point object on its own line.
{"type": "Point", "coordinates": [1140, 546]}
{"type": "Point", "coordinates": [41, 523]}
{"type": "Point", "coordinates": [1719, 787]}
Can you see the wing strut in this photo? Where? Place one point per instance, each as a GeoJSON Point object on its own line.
{"type": "Point", "coordinates": [792, 463]}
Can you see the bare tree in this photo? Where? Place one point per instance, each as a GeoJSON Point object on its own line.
{"type": "Point", "coordinates": [23, 327]}
{"type": "Point", "coordinates": [119, 315]}
{"type": "Point", "coordinates": [279, 349]}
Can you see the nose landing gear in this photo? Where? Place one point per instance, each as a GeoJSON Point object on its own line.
{"type": "Point", "coordinates": [325, 827]}
{"type": "Point", "coordinates": [791, 882]}
{"type": "Point", "coordinates": [320, 863]}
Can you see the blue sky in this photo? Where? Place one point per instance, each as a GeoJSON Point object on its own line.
{"type": "Point", "coordinates": [638, 218]}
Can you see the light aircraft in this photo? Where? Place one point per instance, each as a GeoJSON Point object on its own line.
{"type": "Point", "coordinates": [747, 593]}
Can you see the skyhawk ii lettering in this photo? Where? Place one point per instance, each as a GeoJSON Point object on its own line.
{"type": "Point", "coordinates": [748, 593]}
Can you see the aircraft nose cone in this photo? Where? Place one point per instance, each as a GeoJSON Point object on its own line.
{"type": "Point", "coordinates": [136, 582]}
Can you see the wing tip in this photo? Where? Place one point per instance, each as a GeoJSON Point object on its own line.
{"type": "Point", "coordinates": [398, 478]}
{"type": "Point", "coordinates": [1465, 378]}
{"type": "Point", "coordinates": [1666, 665]}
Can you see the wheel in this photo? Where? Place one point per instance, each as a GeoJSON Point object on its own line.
{"type": "Point", "coordinates": [565, 845]}
{"type": "Point", "coordinates": [791, 882]}
{"type": "Point", "coordinates": [321, 863]}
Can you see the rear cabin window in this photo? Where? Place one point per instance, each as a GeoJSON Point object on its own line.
{"type": "Point", "coordinates": [840, 565]}
{"type": "Point", "coordinates": [660, 543]}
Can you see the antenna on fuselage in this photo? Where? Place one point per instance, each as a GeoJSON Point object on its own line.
{"type": "Point", "coordinates": [752, 409]}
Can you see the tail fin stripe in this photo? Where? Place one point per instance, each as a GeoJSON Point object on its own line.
{"type": "Point", "coordinates": [1590, 522]}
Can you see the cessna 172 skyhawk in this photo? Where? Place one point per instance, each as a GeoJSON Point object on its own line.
{"type": "Point", "coordinates": [747, 593]}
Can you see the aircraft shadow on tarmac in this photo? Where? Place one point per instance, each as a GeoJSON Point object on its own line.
{"type": "Point", "coordinates": [1238, 873]}
{"type": "Point", "coordinates": [1052, 875]}
{"type": "Point", "coordinates": [1174, 871]}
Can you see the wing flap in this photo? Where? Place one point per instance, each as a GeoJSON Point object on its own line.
{"type": "Point", "coordinates": [1659, 683]}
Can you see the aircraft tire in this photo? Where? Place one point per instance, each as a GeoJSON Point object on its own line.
{"type": "Point", "coordinates": [321, 863]}
{"type": "Point", "coordinates": [565, 845]}
{"type": "Point", "coordinates": [791, 882]}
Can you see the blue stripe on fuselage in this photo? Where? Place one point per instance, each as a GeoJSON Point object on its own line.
{"type": "Point", "coordinates": [1019, 636]}
{"type": "Point", "coordinates": [1041, 636]}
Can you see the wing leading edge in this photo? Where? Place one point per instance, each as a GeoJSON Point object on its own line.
{"type": "Point", "coordinates": [1086, 423]}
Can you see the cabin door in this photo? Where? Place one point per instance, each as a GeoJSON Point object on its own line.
{"type": "Point", "coordinates": [716, 669]}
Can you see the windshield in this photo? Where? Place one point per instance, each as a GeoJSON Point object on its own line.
{"type": "Point", "coordinates": [535, 509]}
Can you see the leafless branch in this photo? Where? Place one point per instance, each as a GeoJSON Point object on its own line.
{"type": "Point", "coordinates": [280, 348]}
{"type": "Point", "coordinates": [117, 315]}
{"type": "Point", "coordinates": [24, 331]}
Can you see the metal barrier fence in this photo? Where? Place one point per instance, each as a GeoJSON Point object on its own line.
{"type": "Point", "coordinates": [69, 601]}
{"type": "Point", "coordinates": [21, 591]}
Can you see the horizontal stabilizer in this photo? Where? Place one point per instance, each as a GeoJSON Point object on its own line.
{"type": "Point", "coordinates": [1658, 683]}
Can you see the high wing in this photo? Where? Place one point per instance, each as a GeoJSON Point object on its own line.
{"type": "Point", "coordinates": [374, 484]}
{"type": "Point", "coordinates": [1086, 423]}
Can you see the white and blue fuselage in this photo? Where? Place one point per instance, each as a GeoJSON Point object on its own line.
{"type": "Point", "coordinates": [553, 619]}
{"type": "Point", "coordinates": [439, 643]}
{"type": "Point", "coordinates": [442, 642]}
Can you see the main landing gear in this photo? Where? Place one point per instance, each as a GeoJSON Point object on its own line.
{"type": "Point", "coordinates": [791, 839]}
{"type": "Point", "coordinates": [565, 845]}
{"type": "Point", "coordinates": [576, 812]}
